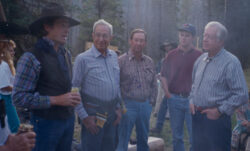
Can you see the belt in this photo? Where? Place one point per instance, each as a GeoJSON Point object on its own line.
{"type": "Point", "coordinates": [93, 100]}
{"type": "Point", "coordinates": [137, 100]}
{"type": "Point", "coordinates": [184, 95]}
{"type": "Point", "coordinates": [199, 108]}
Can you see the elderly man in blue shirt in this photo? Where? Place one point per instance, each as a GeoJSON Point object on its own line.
{"type": "Point", "coordinates": [96, 72]}
{"type": "Point", "coordinates": [218, 88]}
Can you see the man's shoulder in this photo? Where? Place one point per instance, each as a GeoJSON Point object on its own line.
{"type": "Point", "coordinates": [173, 52]}
{"type": "Point", "coordinates": [202, 57]}
{"type": "Point", "coordinates": [123, 56]}
{"type": "Point", "coordinates": [147, 58]}
{"type": "Point", "coordinates": [28, 56]}
{"type": "Point", "coordinates": [197, 51]}
{"type": "Point", "coordinates": [112, 52]}
{"type": "Point", "coordinates": [229, 56]}
{"type": "Point", "coordinates": [84, 55]}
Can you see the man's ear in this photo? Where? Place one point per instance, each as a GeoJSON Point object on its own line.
{"type": "Point", "coordinates": [47, 28]}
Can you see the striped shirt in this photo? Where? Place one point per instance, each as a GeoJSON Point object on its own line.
{"type": "Point", "coordinates": [218, 82]}
{"type": "Point", "coordinates": [138, 78]}
{"type": "Point", "coordinates": [97, 76]}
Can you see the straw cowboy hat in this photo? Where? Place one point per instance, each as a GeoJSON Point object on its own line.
{"type": "Point", "coordinates": [51, 10]}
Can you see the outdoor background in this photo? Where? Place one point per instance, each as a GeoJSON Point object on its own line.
{"type": "Point", "coordinates": [159, 18]}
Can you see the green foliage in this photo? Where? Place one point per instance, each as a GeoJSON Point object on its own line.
{"type": "Point", "coordinates": [17, 12]}
{"type": "Point", "coordinates": [110, 10]}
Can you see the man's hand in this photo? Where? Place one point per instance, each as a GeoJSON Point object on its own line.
{"type": "Point", "coordinates": [192, 109]}
{"type": "Point", "coordinates": [212, 113]}
{"type": "Point", "coordinates": [89, 123]}
{"type": "Point", "coordinates": [168, 95]}
{"type": "Point", "coordinates": [118, 113]}
{"type": "Point", "coordinates": [21, 142]}
{"type": "Point", "coordinates": [244, 123]}
{"type": "Point", "coordinates": [68, 99]}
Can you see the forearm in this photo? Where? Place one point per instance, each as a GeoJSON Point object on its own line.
{"type": "Point", "coordinates": [30, 100]}
{"type": "Point", "coordinates": [231, 104]}
{"type": "Point", "coordinates": [165, 86]}
{"type": "Point", "coordinates": [81, 112]}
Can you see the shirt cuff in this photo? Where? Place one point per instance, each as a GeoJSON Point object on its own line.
{"type": "Point", "coordinates": [81, 112]}
{"type": "Point", "coordinates": [223, 110]}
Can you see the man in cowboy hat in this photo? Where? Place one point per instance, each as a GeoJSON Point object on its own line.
{"type": "Point", "coordinates": [43, 81]}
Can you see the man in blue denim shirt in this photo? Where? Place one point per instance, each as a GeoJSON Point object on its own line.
{"type": "Point", "coordinates": [97, 74]}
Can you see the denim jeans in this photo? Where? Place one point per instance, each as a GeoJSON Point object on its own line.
{"type": "Point", "coordinates": [179, 112]}
{"type": "Point", "coordinates": [211, 135]}
{"type": "Point", "coordinates": [53, 135]}
{"type": "Point", "coordinates": [138, 114]}
{"type": "Point", "coordinates": [162, 113]}
{"type": "Point", "coordinates": [104, 140]}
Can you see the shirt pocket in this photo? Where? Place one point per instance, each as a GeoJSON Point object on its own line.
{"type": "Point", "coordinates": [97, 73]}
{"type": "Point", "coordinates": [148, 74]}
{"type": "Point", "coordinates": [116, 72]}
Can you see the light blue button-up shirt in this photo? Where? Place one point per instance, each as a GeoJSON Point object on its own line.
{"type": "Point", "coordinates": [97, 76]}
{"type": "Point", "coordinates": [218, 82]}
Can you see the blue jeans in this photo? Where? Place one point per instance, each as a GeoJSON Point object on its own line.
{"type": "Point", "coordinates": [53, 135]}
{"type": "Point", "coordinates": [138, 114]}
{"type": "Point", "coordinates": [104, 140]}
{"type": "Point", "coordinates": [162, 113]}
{"type": "Point", "coordinates": [211, 135]}
{"type": "Point", "coordinates": [179, 112]}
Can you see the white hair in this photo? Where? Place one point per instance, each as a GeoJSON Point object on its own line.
{"type": "Point", "coordinates": [221, 30]}
{"type": "Point", "coordinates": [103, 22]}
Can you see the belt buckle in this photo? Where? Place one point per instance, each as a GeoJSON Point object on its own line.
{"type": "Point", "coordinates": [198, 108]}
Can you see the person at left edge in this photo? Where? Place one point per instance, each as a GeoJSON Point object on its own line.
{"type": "Point", "coordinates": [43, 81]}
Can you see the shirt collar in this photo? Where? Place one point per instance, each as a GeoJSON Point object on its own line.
{"type": "Point", "coordinates": [51, 44]}
{"type": "Point", "coordinates": [132, 56]}
{"type": "Point", "coordinates": [97, 53]}
{"type": "Point", "coordinates": [185, 52]}
{"type": "Point", "coordinates": [208, 59]}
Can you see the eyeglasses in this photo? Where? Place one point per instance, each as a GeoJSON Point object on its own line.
{"type": "Point", "coordinates": [99, 35]}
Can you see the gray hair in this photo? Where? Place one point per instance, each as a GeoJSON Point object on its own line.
{"type": "Point", "coordinates": [103, 22]}
{"type": "Point", "coordinates": [221, 30]}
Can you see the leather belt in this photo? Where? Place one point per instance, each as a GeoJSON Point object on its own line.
{"type": "Point", "coordinates": [199, 108]}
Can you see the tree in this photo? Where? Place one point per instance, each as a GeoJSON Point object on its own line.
{"type": "Point", "coordinates": [110, 10]}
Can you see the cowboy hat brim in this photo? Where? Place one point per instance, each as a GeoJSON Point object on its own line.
{"type": "Point", "coordinates": [7, 29]}
{"type": "Point", "coordinates": [37, 25]}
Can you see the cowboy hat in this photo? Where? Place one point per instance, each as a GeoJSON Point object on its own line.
{"type": "Point", "coordinates": [7, 29]}
{"type": "Point", "coordinates": [51, 10]}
